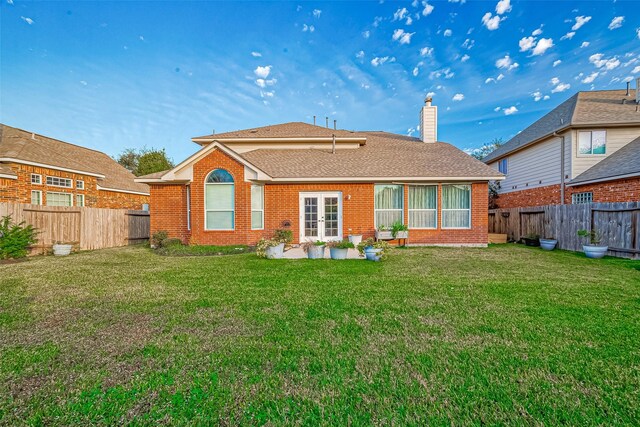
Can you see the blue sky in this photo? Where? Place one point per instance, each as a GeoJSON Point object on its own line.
{"type": "Point", "coordinates": [110, 75]}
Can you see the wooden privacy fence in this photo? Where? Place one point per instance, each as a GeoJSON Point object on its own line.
{"type": "Point", "coordinates": [89, 228]}
{"type": "Point", "coordinates": [618, 223]}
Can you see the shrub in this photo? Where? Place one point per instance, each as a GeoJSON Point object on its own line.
{"type": "Point", "coordinates": [371, 242]}
{"type": "Point", "coordinates": [345, 244]}
{"type": "Point", "coordinates": [263, 244]}
{"type": "Point", "coordinates": [284, 236]}
{"type": "Point", "coordinates": [158, 239]}
{"type": "Point", "coordinates": [15, 239]}
{"type": "Point", "coordinates": [397, 227]}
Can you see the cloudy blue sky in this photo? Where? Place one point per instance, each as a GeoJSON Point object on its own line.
{"type": "Point", "coordinates": [116, 74]}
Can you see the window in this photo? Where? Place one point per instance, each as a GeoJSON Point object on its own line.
{"type": "Point", "coordinates": [36, 197]}
{"type": "Point", "coordinates": [80, 184]}
{"type": "Point", "coordinates": [257, 207]}
{"type": "Point", "coordinates": [388, 204]}
{"type": "Point", "coordinates": [188, 207]}
{"type": "Point", "coordinates": [594, 142]}
{"type": "Point", "coordinates": [456, 206]}
{"type": "Point", "coordinates": [503, 166]}
{"type": "Point", "coordinates": [79, 199]}
{"type": "Point", "coordinates": [59, 182]}
{"type": "Point", "coordinates": [36, 179]}
{"type": "Point", "coordinates": [578, 198]}
{"type": "Point", "coordinates": [219, 201]}
{"type": "Point", "coordinates": [423, 205]}
{"type": "Point", "coordinates": [59, 199]}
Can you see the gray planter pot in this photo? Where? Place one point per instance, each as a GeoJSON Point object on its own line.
{"type": "Point", "coordinates": [355, 239]}
{"type": "Point", "coordinates": [402, 235]}
{"type": "Point", "coordinates": [316, 252]}
{"type": "Point", "coordinates": [275, 252]}
{"type": "Point", "coordinates": [384, 235]}
{"type": "Point", "coordinates": [62, 250]}
{"type": "Point", "coordinates": [596, 252]}
{"type": "Point", "coordinates": [372, 254]}
{"type": "Point", "coordinates": [337, 253]}
{"type": "Point", "coordinates": [548, 244]}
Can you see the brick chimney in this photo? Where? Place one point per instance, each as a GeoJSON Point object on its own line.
{"type": "Point", "coordinates": [429, 122]}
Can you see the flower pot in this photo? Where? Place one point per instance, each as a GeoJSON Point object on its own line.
{"type": "Point", "coordinates": [373, 254]}
{"type": "Point", "coordinates": [592, 251]}
{"type": "Point", "coordinates": [384, 235]}
{"type": "Point", "coordinates": [338, 253]}
{"type": "Point", "coordinates": [402, 235]}
{"type": "Point", "coordinates": [355, 239]}
{"type": "Point", "coordinates": [316, 252]}
{"type": "Point", "coordinates": [61, 249]}
{"type": "Point", "coordinates": [548, 244]}
{"type": "Point", "coordinates": [275, 252]}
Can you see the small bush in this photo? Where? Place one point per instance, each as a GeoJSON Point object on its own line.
{"type": "Point", "coordinates": [158, 239]}
{"type": "Point", "coordinates": [284, 236]}
{"type": "Point", "coordinates": [15, 239]}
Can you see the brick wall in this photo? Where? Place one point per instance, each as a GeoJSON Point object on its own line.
{"type": "Point", "coordinates": [622, 190]}
{"type": "Point", "coordinates": [549, 195]}
{"type": "Point", "coordinates": [168, 212]}
{"type": "Point", "coordinates": [19, 190]}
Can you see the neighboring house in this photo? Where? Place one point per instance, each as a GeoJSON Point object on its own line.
{"type": "Point", "coordinates": [44, 171]}
{"type": "Point", "coordinates": [322, 184]}
{"type": "Point", "coordinates": [585, 150]}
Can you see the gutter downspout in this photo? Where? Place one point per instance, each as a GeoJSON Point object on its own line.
{"type": "Point", "coordinates": [562, 182]}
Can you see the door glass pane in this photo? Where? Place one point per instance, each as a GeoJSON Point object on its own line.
{"type": "Point", "coordinates": [311, 216]}
{"type": "Point", "coordinates": [331, 216]}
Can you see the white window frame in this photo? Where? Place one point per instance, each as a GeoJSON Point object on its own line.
{"type": "Point", "coordinates": [39, 192]}
{"type": "Point", "coordinates": [219, 210]}
{"type": "Point", "coordinates": [189, 208]}
{"type": "Point", "coordinates": [79, 184]}
{"type": "Point", "coordinates": [376, 210]}
{"type": "Point", "coordinates": [39, 180]}
{"type": "Point", "coordinates": [60, 192]}
{"type": "Point", "coordinates": [503, 165]}
{"type": "Point", "coordinates": [81, 196]}
{"type": "Point", "coordinates": [470, 207]}
{"type": "Point", "coordinates": [590, 132]}
{"type": "Point", "coordinates": [582, 198]}
{"type": "Point", "coordinates": [53, 178]}
{"type": "Point", "coordinates": [409, 209]}
{"type": "Point", "coordinates": [257, 210]}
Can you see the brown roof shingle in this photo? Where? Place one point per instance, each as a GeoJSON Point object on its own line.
{"type": "Point", "coordinates": [285, 130]}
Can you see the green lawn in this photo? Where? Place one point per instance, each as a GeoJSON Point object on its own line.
{"type": "Point", "coordinates": [505, 335]}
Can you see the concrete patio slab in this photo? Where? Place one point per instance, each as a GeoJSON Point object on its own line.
{"type": "Point", "coordinates": [298, 253]}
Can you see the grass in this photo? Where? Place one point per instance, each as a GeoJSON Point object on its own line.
{"type": "Point", "coordinates": [505, 335]}
{"type": "Point", "coordinates": [203, 250]}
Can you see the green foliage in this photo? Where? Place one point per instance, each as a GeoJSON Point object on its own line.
{"type": "Point", "coordinates": [344, 244]}
{"type": "Point", "coordinates": [284, 236]}
{"type": "Point", "coordinates": [15, 239]}
{"type": "Point", "coordinates": [594, 236]}
{"type": "Point", "coordinates": [174, 247]}
{"type": "Point", "coordinates": [264, 244]}
{"type": "Point", "coordinates": [144, 161]}
{"type": "Point", "coordinates": [378, 244]}
{"type": "Point", "coordinates": [310, 243]}
{"type": "Point", "coordinates": [494, 187]}
{"type": "Point", "coordinates": [158, 239]}
{"type": "Point", "coordinates": [485, 150]}
{"type": "Point", "coordinates": [397, 227]}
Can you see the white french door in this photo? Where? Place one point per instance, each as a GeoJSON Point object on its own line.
{"type": "Point", "coordinates": [320, 216]}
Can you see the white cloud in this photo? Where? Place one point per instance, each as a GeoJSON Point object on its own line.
{"type": "Point", "coordinates": [9, 1]}
{"type": "Point", "coordinates": [382, 60]}
{"type": "Point", "coordinates": [426, 51]}
{"type": "Point", "coordinates": [542, 46]}
{"type": "Point", "coordinates": [584, 44]}
{"type": "Point", "coordinates": [264, 83]}
{"type": "Point", "coordinates": [457, 97]}
{"type": "Point", "coordinates": [546, 97]}
{"type": "Point", "coordinates": [431, 94]}
{"type": "Point", "coordinates": [256, 54]}
{"type": "Point", "coordinates": [447, 33]}
{"type": "Point", "coordinates": [591, 77]}
{"type": "Point", "coordinates": [83, 83]}
{"type": "Point", "coordinates": [27, 20]}
{"type": "Point", "coordinates": [600, 61]}
{"type": "Point", "coordinates": [415, 71]}
{"type": "Point", "coordinates": [360, 54]}
{"type": "Point", "coordinates": [262, 72]}
{"type": "Point", "coordinates": [400, 14]}
{"type": "Point", "coordinates": [491, 22]}
{"type": "Point", "coordinates": [317, 13]}
{"type": "Point", "coordinates": [537, 95]}
{"type": "Point", "coordinates": [638, 32]}
{"type": "Point", "coordinates": [554, 81]}
{"type": "Point", "coordinates": [427, 9]}
{"type": "Point", "coordinates": [366, 34]}
{"type": "Point", "coordinates": [509, 111]}
{"type": "Point", "coordinates": [446, 72]}
{"type": "Point", "coordinates": [636, 70]}
{"type": "Point", "coordinates": [401, 36]}
{"type": "Point", "coordinates": [309, 28]}
{"type": "Point", "coordinates": [561, 88]}
{"type": "Point", "coordinates": [267, 94]}
{"type": "Point", "coordinates": [526, 43]}
{"type": "Point", "coordinates": [616, 22]}
{"type": "Point", "coordinates": [568, 36]}
{"type": "Point", "coordinates": [537, 32]}
{"type": "Point", "coordinates": [496, 109]}
{"type": "Point", "coordinates": [557, 62]}
{"type": "Point", "coordinates": [503, 7]}
{"type": "Point", "coordinates": [500, 77]}
{"type": "Point", "coordinates": [468, 44]}
{"type": "Point", "coordinates": [489, 80]}
{"type": "Point", "coordinates": [464, 58]}
{"type": "Point", "coordinates": [507, 63]}
{"type": "Point", "coordinates": [409, 21]}
{"type": "Point", "coordinates": [580, 21]}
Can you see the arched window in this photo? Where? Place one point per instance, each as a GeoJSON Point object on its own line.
{"type": "Point", "coordinates": [219, 200]}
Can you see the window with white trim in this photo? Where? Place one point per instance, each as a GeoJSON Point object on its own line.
{"type": "Point", "coordinates": [592, 142]}
{"type": "Point", "coordinates": [188, 207]}
{"type": "Point", "coordinates": [503, 166]}
{"type": "Point", "coordinates": [579, 198]}
{"type": "Point", "coordinates": [219, 192]}
{"type": "Point", "coordinates": [423, 206]}
{"type": "Point", "coordinates": [257, 207]}
{"type": "Point", "coordinates": [36, 197]}
{"type": "Point", "coordinates": [59, 182]}
{"type": "Point", "coordinates": [80, 184]}
{"type": "Point", "coordinates": [36, 178]}
{"type": "Point", "coordinates": [59, 199]}
{"type": "Point", "coordinates": [79, 199]}
{"type": "Point", "coordinates": [456, 206]}
{"type": "Point", "coordinates": [388, 204]}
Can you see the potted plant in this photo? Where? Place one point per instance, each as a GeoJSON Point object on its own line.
{"type": "Point", "coordinates": [399, 230]}
{"type": "Point", "coordinates": [314, 250]}
{"type": "Point", "coordinates": [270, 248]}
{"type": "Point", "coordinates": [355, 238]}
{"type": "Point", "coordinates": [531, 239]}
{"type": "Point", "coordinates": [340, 250]}
{"type": "Point", "coordinates": [373, 250]}
{"type": "Point", "coordinates": [384, 233]}
{"type": "Point", "coordinates": [593, 249]}
{"type": "Point", "coordinates": [548, 243]}
{"type": "Point", "coordinates": [61, 248]}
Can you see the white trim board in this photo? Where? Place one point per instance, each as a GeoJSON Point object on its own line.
{"type": "Point", "coordinates": [43, 165]}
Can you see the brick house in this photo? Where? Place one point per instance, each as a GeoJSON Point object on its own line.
{"type": "Point", "coordinates": [322, 184]}
{"type": "Point", "coordinates": [585, 150]}
{"type": "Point", "coordinates": [44, 171]}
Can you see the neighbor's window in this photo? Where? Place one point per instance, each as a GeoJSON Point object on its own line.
{"type": "Point", "coordinates": [59, 199]}
{"type": "Point", "coordinates": [593, 142]}
{"type": "Point", "coordinates": [36, 179]}
{"type": "Point", "coordinates": [36, 197]}
{"type": "Point", "coordinates": [219, 200]}
{"type": "Point", "coordinates": [79, 199]}
{"type": "Point", "coordinates": [423, 206]}
{"type": "Point", "coordinates": [503, 166]}
{"type": "Point", "coordinates": [456, 206]}
{"type": "Point", "coordinates": [578, 198]}
{"type": "Point", "coordinates": [388, 204]}
{"type": "Point", "coordinates": [257, 207]}
{"type": "Point", "coordinates": [80, 184]}
{"type": "Point", "coordinates": [59, 182]}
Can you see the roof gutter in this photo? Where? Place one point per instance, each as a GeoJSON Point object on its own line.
{"type": "Point", "coordinates": [117, 190]}
{"type": "Point", "coordinates": [360, 139]}
{"type": "Point", "coordinates": [609, 178]}
{"type": "Point", "coordinates": [42, 165]}
{"type": "Point", "coordinates": [7, 176]}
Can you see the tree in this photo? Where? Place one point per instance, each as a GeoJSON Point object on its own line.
{"type": "Point", "coordinates": [145, 160]}
{"type": "Point", "coordinates": [486, 149]}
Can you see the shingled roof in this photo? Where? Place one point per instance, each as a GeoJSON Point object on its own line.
{"type": "Point", "coordinates": [26, 146]}
{"type": "Point", "coordinates": [604, 107]}
{"type": "Point", "coordinates": [624, 162]}
{"type": "Point", "coordinates": [284, 130]}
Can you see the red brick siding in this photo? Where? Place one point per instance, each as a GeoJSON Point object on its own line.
{"type": "Point", "coordinates": [623, 190]}
{"type": "Point", "coordinates": [549, 195]}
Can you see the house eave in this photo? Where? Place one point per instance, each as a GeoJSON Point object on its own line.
{"type": "Point", "coordinates": [206, 141]}
{"type": "Point", "coordinates": [118, 190]}
{"type": "Point", "coordinates": [609, 178]}
{"type": "Point", "coordinates": [389, 179]}
{"type": "Point", "coordinates": [7, 176]}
